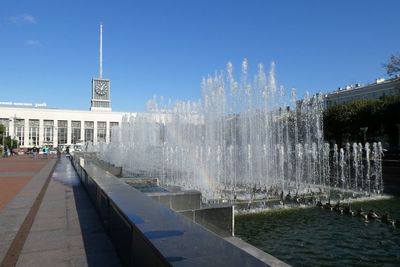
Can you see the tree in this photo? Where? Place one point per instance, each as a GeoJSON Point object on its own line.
{"type": "Point", "coordinates": [393, 66]}
{"type": "Point", "coordinates": [343, 123]}
{"type": "Point", "coordinates": [2, 133]}
{"type": "Point", "coordinates": [11, 143]}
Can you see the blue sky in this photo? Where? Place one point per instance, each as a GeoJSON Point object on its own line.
{"type": "Point", "coordinates": [49, 49]}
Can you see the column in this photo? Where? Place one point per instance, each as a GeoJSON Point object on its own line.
{"type": "Point", "coordinates": [83, 131]}
{"type": "Point", "coordinates": [55, 133]}
{"type": "Point", "coordinates": [69, 132]}
{"type": "Point", "coordinates": [95, 133]}
{"type": "Point", "coordinates": [107, 132]}
{"type": "Point", "coordinates": [26, 132]}
{"type": "Point", "coordinates": [41, 132]}
{"type": "Point", "coordinates": [11, 128]}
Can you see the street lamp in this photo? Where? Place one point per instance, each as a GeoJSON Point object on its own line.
{"type": "Point", "coordinates": [12, 132]}
{"type": "Point", "coordinates": [13, 119]}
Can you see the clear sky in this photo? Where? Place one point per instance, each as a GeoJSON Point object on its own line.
{"type": "Point", "coordinates": [49, 49]}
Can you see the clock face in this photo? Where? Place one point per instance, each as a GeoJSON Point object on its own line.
{"type": "Point", "coordinates": [101, 87]}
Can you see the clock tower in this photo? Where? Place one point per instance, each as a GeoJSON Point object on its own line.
{"type": "Point", "coordinates": [101, 87]}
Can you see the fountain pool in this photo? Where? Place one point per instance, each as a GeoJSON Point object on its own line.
{"type": "Point", "coordinates": [315, 237]}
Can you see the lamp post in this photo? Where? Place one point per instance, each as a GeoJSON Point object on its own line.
{"type": "Point", "coordinates": [13, 120]}
{"type": "Point", "coordinates": [2, 137]}
{"type": "Point", "coordinates": [11, 132]}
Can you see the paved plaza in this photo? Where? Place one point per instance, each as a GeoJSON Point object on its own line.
{"type": "Point", "coordinates": [46, 218]}
{"type": "Point", "coordinates": [15, 173]}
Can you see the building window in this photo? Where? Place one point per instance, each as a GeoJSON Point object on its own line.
{"type": "Point", "coordinates": [19, 125]}
{"type": "Point", "coordinates": [89, 131]}
{"type": "Point", "coordinates": [76, 132]}
{"type": "Point", "coordinates": [62, 132]}
{"type": "Point", "coordinates": [33, 132]}
{"type": "Point", "coordinates": [112, 124]}
{"type": "Point", "coordinates": [48, 132]}
{"type": "Point", "coordinates": [101, 131]}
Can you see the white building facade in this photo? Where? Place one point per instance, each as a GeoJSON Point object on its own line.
{"type": "Point", "coordinates": [56, 127]}
{"type": "Point", "coordinates": [381, 88]}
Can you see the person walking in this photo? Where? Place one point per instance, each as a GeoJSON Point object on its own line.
{"type": "Point", "coordinates": [58, 152]}
{"type": "Point", "coordinates": [34, 151]}
{"type": "Point", "coordinates": [45, 152]}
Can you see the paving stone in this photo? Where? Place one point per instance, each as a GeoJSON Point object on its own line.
{"type": "Point", "coordinates": [48, 223]}
{"type": "Point", "coordinates": [67, 226]}
{"type": "Point", "coordinates": [46, 258]}
{"type": "Point", "coordinates": [78, 261]}
{"type": "Point", "coordinates": [45, 240]}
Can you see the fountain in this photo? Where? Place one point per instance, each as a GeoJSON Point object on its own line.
{"type": "Point", "coordinates": [245, 139]}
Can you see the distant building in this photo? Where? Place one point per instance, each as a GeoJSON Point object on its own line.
{"type": "Point", "coordinates": [381, 88]}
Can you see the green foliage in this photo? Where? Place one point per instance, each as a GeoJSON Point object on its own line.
{"type": "Point", "coordinates": [393, 66]}
{"type": "Point", "coordinates": [342, 123]}
{"type": "Point", "coordinates": [11, 143]}
{"type": "Point", "coordinates": [2, 133]}
{"type": "Point", "coordinates": [6, 140]}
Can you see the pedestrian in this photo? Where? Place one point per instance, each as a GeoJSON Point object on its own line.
{"type": "Point", "coordinates": [45, 151]}
{"type": "Point", "coordinates": [34, 151]}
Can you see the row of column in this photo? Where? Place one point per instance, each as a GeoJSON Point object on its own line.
{"type": "Point", "coordinates": [12, 131]}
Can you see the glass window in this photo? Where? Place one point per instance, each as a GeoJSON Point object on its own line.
{"type": "Point", "coordinates": [89, 131]}
{"type": "Point", "coordinates": [101, 131]}
{"type": "Point", "coordinates": [76, 132]}
{"type": "Point", "coordinates": [112, 124]}
{"type": "Point", "coordinates": [33, 132]}
{"type": "Point", "coordinates": [19, 125]}
{"type": "Point", "coordinates": [48, 132]}
{"type": "Point", "coordinates": [62, 131]}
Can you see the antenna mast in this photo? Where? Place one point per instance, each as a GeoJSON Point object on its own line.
{"type": "Point", "coordinates": [101, 51]}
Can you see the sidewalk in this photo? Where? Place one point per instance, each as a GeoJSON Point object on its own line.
{"type": "Point", "coordinates": [15, 173]}
{"type": "Point", "coordinates": [66, 230]}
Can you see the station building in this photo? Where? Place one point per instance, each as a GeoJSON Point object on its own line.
{"type": "Point", "coordinates": [36, 125]}
{"type": "Point", "coordinates": [57, 127]}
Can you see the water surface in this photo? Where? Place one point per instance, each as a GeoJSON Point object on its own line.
{"type": "Point", "coordinates": [316, 237]}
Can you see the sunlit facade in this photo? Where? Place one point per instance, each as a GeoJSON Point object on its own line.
{"type": "Point", "coordinates": [381, 88]}
{"type": "Point", "coordinates": [55, 127]}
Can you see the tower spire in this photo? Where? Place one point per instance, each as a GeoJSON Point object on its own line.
{"type": "Point", "coordinates": [101, 50]}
